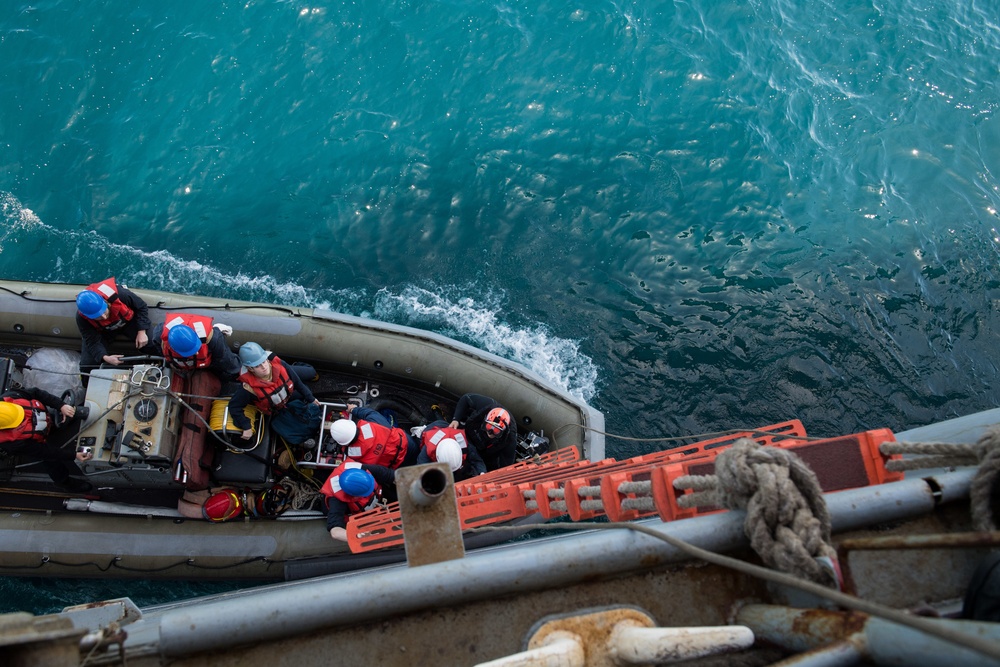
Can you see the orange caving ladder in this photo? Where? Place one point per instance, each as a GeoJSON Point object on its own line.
{"type": "Point", "coordinates": [559, 483]}
{"type": "Point", "coordinates": [483, 500]}
{"type": "Point", "coordinates": [845, 462]}
{"type": "Point", "coordinates": [581, 497]}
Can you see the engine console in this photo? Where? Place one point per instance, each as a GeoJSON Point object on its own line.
{"type": "Point", "coordinates": [137, 426]}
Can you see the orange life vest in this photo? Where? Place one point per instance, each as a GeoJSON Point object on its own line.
{"type": "Point", "coordinates": [202, 326]}
{"type": "Point", "coordinates": [331, 489]}
{"type": "Point", "coordinates": [378, 445]}
{"type": "Point", "coordinates": [270, 395]}
{"type": "Point", "coordinates": [435, 434]}
{"type": "Point", "coordinates": [118, 313]}
{"type": "Point", "coordinates": [34, 426]}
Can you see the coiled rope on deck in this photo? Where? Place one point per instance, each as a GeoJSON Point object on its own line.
{"type": "Point", "coordinates": [787, 522]}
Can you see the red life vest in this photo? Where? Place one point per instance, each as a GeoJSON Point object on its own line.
{"type": "Point", "coordinates": [202, 326]}
{"type": "Point", "coordinates": [270, 395]}
{"type": "Point", "coordinates": [435, 434]}
{"type": "Point", "coordinates": [331, 489]}
{"type": "Point", "coordinates": [378, 445]}
{"type": "Point", "coordinates": [118, 313]}
{"type": "Point", "coordinates": [34, 426]}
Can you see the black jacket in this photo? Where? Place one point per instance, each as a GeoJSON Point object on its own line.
{"type": "Point", "coordinates": [470, 413]}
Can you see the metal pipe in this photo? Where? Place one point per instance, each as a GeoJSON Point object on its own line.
{"type": "Point", "coordinates": [939, 541]}
{"type": "Point", "coordinates": [845, 653]}
{"type": "Point", "coordinates": [540, 564]}
{"type": "Point", "coordinates": [875, 639]}
{"type": "Point", "coordinates": [559, 649]}
{"type": "Point", "coordinates": [634, 645]}
{"type": "Point", "coordinates": [428, 487]}
{"type": "Point", "coordinates": [892, 644]}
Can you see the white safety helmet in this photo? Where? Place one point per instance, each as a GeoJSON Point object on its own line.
{"type": "Point", "coordinates": [343, 431]}
{"type": "Point", "coordinates": [450, 452]}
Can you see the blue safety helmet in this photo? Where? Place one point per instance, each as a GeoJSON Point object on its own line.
{"type": "Point", "coordinates": [91, 304]}
{"type": "Point", "coordinates": [357, 482]}
{"type": "Point", "coordinates": [252, 354]}
{"type": "Point", "coordinates": [183, 340]}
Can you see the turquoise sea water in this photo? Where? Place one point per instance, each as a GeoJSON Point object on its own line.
{"type": "Point", "coordinates": [696, 215]}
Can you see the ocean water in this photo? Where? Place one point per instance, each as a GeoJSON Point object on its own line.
{"type": "Point", "coordinates": [696, 215]}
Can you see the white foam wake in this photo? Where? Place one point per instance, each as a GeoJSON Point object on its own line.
{"type": "Point", "coordinates": [82, 256]}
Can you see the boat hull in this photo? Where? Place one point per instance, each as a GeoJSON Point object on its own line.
{"type": "Point", "coordinates": [42, 536]}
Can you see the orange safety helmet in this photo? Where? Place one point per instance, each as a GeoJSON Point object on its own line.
{"type": "Point", "coordinates": [496, 422]}
{"type": "Point", "coordinates": [222, 506]}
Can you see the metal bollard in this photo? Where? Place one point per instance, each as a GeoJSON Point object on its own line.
{"type": "Point", "coordinates": [621, 636]}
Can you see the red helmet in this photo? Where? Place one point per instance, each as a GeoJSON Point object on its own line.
{"type": "Point", "coordinates": [496, 422]}
{"type": "Point", "coordinates": [222, 506]}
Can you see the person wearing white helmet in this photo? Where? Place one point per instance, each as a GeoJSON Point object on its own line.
{"type": "Point", "coordinates": [368, 437]}
{"type": "Point", "coordinates": [276, 389]}
{"type": "Point", "coordinates": [489, 428]}
{"type": "Point", "coordinates": [442, 443]}
{"type": "Point", "coordinates": [105, 311]}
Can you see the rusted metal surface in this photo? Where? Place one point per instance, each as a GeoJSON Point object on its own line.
{"type": "Point", "coordinates": [825, 637]}
{"type": "Point", "coordinates": [42, 641]}
{"type": "Point", "coordinates": [429, 512]}
{"type": "Point", "coordinates": [617, 637]}
{"type": "Point", "coordinates": [936, 541]}
{"type": "Point", "coordinates": [468, 634]}
{"type": "Point", "coordinates": [800, 629]}
{"type": "Point", "coordinates": [899, 577]}
{"type": "Point", "coordinates": [488, 611]}
{"type": "Point", "coordinates": [594, 630]}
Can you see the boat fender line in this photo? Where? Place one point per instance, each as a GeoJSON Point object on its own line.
{"type": "Point", "coordinates": [985, 453]}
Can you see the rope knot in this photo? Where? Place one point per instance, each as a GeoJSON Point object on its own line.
{"type": "Point", "coordinates": [787, 520]}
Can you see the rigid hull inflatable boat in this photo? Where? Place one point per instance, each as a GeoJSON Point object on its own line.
{"type": "Point", "coordinates": [158, 438]}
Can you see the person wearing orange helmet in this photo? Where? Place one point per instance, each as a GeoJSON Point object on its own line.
{"type": "Point", "coordinates": [488, 427]}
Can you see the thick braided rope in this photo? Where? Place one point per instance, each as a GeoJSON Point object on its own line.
{"type": "Point", "coordinates": [929, 455]}
{"type": "Point", "coordinates": [985, 453]}
{"type": "Point", "coordinates": [787, 520]}
{"type": "Point", "coordinates": [983, 484]}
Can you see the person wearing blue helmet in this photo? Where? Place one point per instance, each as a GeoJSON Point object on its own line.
{"type": "Point", "coordinates": [191, 342]}
{"type": "Point", "coordinates": [350, 489]}
{"type": "Point", "coordinates": [105, 311]}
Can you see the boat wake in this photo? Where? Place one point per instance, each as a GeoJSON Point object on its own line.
{"type": "Point", "coordinates": [83, 256]}
{"type": "Point", "coordinates": [558, 360]}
